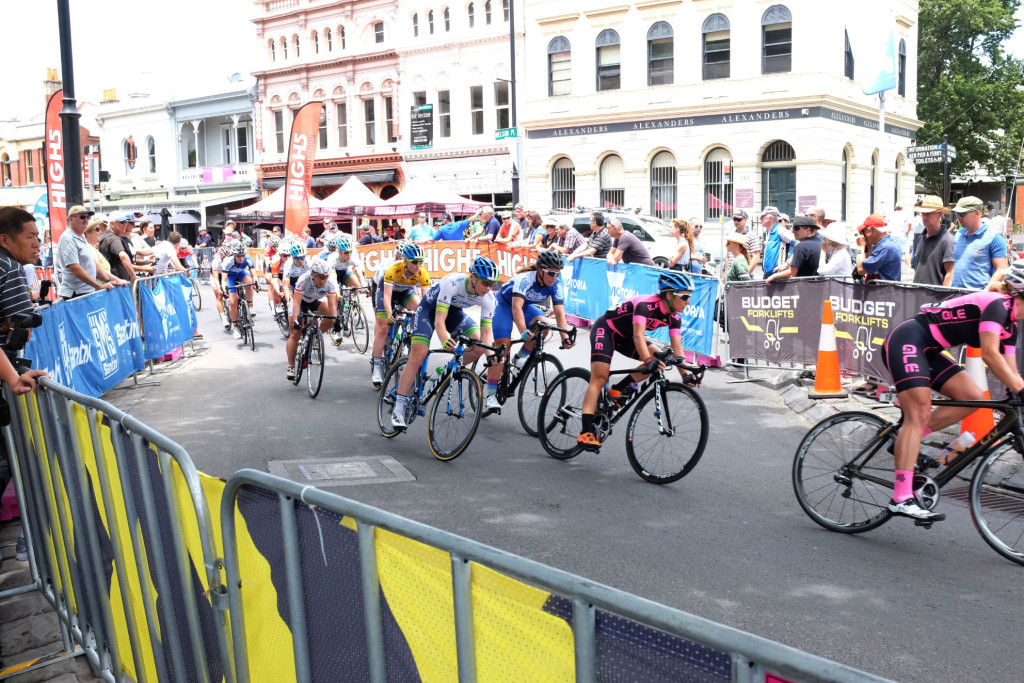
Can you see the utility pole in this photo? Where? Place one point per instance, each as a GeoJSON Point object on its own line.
{"type": "Point", "coordinates": [69, 115]}
{"type": "Point", "coordinates": [512, 96]}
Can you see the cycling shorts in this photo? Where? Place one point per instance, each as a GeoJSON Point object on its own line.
{"type": "Point", "coordinates": [503, 321]}
{"type": "Point", "coordinates": [456, 323]}
{"type": "Point", "coordinates": [915, 359]}
{"type": "Point", "coordinates": [605, 341]}
{"type": "Point", "coordinates": [233, 282]}
{"type": "Point", "coordinates": [403, 297]}
{"type": "Point", "coordinates": [310, 306]}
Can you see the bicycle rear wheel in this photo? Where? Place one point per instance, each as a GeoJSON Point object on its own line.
{"type": "Point", "coordinates": [454, 415]}
{"type": "Point", "coordinates": [250, 325]}
{"type": "Point", "coordinates": [197, 299]}
{"type": "Point", "coordinates": [386, 398]}
{"type": "Point", "coordinates": [358, 328]}
{"type": "Point", "coordinates": [281, 318]}
{"type": "Point", "coordinates": [315, 356]}
{"type": "Point", "coordinates": [535, 377]}
{"type": "Point", "coordinates": [656, 454]}
{"type": "Point", "coordinates": [836, 483]}
{"type": "Point", "coordinates": [997, 501]}
{"type": "Point", "coordinates": [560, 416]}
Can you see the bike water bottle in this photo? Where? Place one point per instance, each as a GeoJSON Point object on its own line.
{"type": "Point", "coordinates": [950, 452]}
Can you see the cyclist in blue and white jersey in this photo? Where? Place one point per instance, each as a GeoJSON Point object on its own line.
{"type": "Point", "coordinates": [346, 264]}
{"type": "Point", "coordinates": [217, 283]}
{"type": "Point", "coordinates": [238, 270]}
{"type": "Point", "coordinates": [517, 303]}
{"type": "Point", "coordinates": [441, 311]}
{"type": "Point", "coordinates": [313, 293]}
{"type": "Point", "coordinates": [297, 265]}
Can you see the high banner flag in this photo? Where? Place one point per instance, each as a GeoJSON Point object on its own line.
{"type": "Point", "coordinates": [299, 171]}
{"type": "Point", "coordinates": [53, 150]}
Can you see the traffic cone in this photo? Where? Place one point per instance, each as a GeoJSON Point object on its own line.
{"type": "Point", "coordinates": [981, 421]}
{"type": "Point", "coordinates": [826, 378]}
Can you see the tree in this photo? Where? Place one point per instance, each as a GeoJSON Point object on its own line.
{"type": "Point", "coordinates": [968, 88]}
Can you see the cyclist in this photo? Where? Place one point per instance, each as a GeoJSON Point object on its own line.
{"type": "Point", "coordinates": [405, 277]}
{"type": "Point", "coordinates": [517, 303]}
{"type": "Point", "coordinates": [217, 283]}
{"type": "Point", "coordinates": [313, 293]}
{"type": "Point", "coordinates": [441, 312]}
{"type": "Point", "coordinates": [238, 270]}
{"type": "Point", "coordinates": [347, 265]}
{"type": "Point", "coordinates": [296, 266]}
{"type": "Point", "coordinates": [624, 329]}
{"type": "Point", "coordinates": [272, 274]}
{"type": "Point", "coordinates": [913, 355]}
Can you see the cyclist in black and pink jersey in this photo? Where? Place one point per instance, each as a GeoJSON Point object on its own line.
{"type": "Point", "coordinates": [913, 354]}
{"type": "Point", "coordinates": [624, 329]}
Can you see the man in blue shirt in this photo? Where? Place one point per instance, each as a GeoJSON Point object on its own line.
{"type": "Point", "coordinates": [420, 232]}
{"type": "Point", "coordinates": [979, 250]}
{"type": "Point", "coordinates": [490, 224]}
{"type": "Point", "coordinates": [774, 247]}
{"type": "Point", "coordinates": [451, 231]}
{"type": "Point", "coordinates": [884, 259]}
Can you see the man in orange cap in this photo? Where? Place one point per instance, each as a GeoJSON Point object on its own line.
{"type": "Point", "coordinates": [882, 258]}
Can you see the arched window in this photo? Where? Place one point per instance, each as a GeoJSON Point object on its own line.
{"type": "Point", "coordinates": [151, 154]}
{"type": "Point", "coordinates": [559, 67]}
{"type": "Point", "coordinates": [341, 36]}
{"type": "Point", "coordinates": [447, 20]}
{"type": "Point", "coordinates": [663, 185]}
{"type": "Point", "coordinates": [844, 190]}
{"type": "Point", "coordinates": [487, 12]}
{"type": "Point", "coordinates": [716, 47]}
{"type": "Point", "coordinates": [430, 22]}
{"type": "Point", "coordinates": [613, 181]}
{"type": "Point", "coordinates": [316, 43]}
{"type": "Point", "coordinates": [284, 48]}
{"type": "Point", "coordinates": [874, 182]}
{"type": "Point", "coordinates": [848, 64]}
{"type": "Point", "coordinates": [608, 60]}
{"type": "Point", "coordinates": [295, 41]}
{"type": "Point", "coordinates": [718, 184]}
{"type": "Point", "coordinates": [470, 12]}
{"type": "Point", "coordinates": [776, 40]}
{"type": "Point", "coordinates": [901, 86]}
{"type": "Point", "coordinates": [415, 26]}
{"type": "Point", "coordinates": [5, 168]}
{"type": "Point", "coordinates": [778, 177]}
{"type": "Point", "coordinates": [563, 184]}
{"type": "Point", "coordinates": [322, 131]}
{"type": "Point", "coordinates": [273, 50]}
{"type": "Point", "coordinates": [660, 52]}
{"type": "Point", "coordinates": [327, 37]}
{"type": "Point", "coordinates": [505, 9]}
{"type": "Point", "coordinates": [130, 154]}
{"type": "Point", "coordinates": [378, 32]}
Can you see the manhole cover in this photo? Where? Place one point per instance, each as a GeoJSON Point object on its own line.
{"type": "Point", "coordinates": [323, 472]}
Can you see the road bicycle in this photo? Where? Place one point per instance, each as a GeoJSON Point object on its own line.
{"type": "Point", "coordinates": [351, 320]}
{"type": "Point", "coordinates": [455, 413]}
{"type": "Point", "coordinates": [309, 355]}
{"type": "Point", "coordinates": [843, 475]}
{"type": "Point", "coordinates": [399, 342]}
{"type": "Point", "coordinates": [667, 430]}
{"type": "Point", "coordinates": [245, 321]}
{"type": "Point", "coordinates": [280, 313]}
{"type": "Point", "coordinates": [197, 299]}
{"type": "Point", "coordinates": [532, 380]}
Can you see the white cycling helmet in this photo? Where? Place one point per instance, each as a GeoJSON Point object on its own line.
{"type": "Point", "coordinates": [318, 267]}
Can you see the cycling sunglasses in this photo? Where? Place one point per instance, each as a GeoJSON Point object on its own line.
{"type": "Point", "coordinates": [552, 273]}
{"type": "Point", "coordinates": [489, 283]}
{"type": "Point", "coordinates": [417, 261]}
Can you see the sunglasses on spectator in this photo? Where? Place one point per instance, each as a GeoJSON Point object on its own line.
{"type": "Point", "coordinates": [737, 219]}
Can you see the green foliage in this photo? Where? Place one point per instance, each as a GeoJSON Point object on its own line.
{"type": "Point", "coordinates": [968, 87]}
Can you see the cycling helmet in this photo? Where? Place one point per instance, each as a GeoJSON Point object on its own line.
{"type": "Point", "coordinates": [1015, 277]}
{"type": "Point", "coordinates": [246, 240]}
{"type": "Point", "coordinates": [343, 244]}
{"type": "Point", "coordinates": [297, 250]}
{"type": "Point", "coordinates": [318, 267]}
{"type": "Point", "coordinates": [329, 244]}
{"type": "Point", "coordinates": [484, 268]}
{"type": "Point", "coordinates": [273, 242]}
{"type": "Point", "coordinates": [411, 250]}
{"type": "Point", "coordinates": [237, 249]}
{"type": "Point", "coordinates": [674, 281]}
{"type": "Point", "coordinates": [550, 260]}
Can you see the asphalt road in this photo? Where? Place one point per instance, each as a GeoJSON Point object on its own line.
{"type": "Point", "coordinates": [728, 542]}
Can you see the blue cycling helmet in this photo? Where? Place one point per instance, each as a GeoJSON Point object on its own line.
{"type": "Point", "coordinates": [411, 250]}
{"type": "Point", "coordinates": [298, 250]}
{"type": "Point", "coordinates": [343, 244]}
{"type": "Point", "coordinates": [484, 268]}
{"type": "Point", "coordinates": [674, 281]}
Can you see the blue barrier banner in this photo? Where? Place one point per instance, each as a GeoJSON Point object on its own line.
{"type": "Point", "coordinates": [592, 287]}
{"type": "Point", "coordinates": [89, 344]}
{"type": "Point", "coordinates": [168, 320]}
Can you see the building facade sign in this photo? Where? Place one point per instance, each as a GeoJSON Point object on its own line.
{"type": "Point", "coordinates": [421, 122]}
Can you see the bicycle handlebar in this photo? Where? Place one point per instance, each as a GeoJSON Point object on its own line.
{"type": "Point", "coordinates": [541, 325]}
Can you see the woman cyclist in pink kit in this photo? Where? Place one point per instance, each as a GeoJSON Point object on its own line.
{"type": "Point", "coordinates": [913, 355]}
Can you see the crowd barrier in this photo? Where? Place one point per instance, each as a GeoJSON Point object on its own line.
{"type": "Point", "coordinates": [125, 538]}
{"type": "Point", "coordinates": [164, 303]}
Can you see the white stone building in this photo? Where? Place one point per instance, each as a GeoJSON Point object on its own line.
{"type": "Point", "coordinates": [681, 108]}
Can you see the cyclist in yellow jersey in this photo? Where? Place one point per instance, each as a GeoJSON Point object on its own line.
{"type": "Point", "coordinates": [405, 278]}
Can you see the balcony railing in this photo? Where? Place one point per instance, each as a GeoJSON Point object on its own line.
{"type": "Point", "coordinates": [279, 5]}
{"type": "Point", "coordinates": [228, 173]}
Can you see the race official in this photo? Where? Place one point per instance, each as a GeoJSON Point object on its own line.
{"type": "Point", "coordinates": [75, 265]}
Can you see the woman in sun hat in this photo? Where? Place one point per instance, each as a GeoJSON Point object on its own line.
{"type": "Point", "coordinates": [835, 257]}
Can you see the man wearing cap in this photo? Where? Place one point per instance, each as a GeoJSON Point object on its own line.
{"type": "Point", "coordinates": [204, 238]}
{"type": "Point", "coordinates": [806, 253]}
{"type": "Point", "coordinates": [775, 242]}
{"type": "Point", "coordinates": [421, 232]}
{"type": "Point", "coordinates": [522, 219]}
{"type": "Point", "coordinates": [510, 230]}
{"type": "Point", "coordinates": [115, 246]}
{"type": "Point", "coordinates": [934, 253]}
{"type": "Point", "coordinates": [739, 221]}
{"type": "Point", "coordinates": [883, 258]}
{"type": "Point", "coordinates": [490, 224]}
{"type": "Point", "coordinates": [979, 251]}
{"type": "Point", "coordinates": [75, 266]}
{"type": "Point", "coordinates": [369, 232]}
{"type": "Point", "coordinates": [451, 232]}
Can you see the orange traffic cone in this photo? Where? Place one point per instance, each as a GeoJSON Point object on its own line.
{"type": "Point", "coordinates": [981, 421]}
{"type": "Point", "coordinates": [826, 377]}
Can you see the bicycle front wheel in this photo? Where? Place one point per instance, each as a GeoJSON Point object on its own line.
{"type": "Point", "coordinates": [534, 380]}
{"type": "Point", "coordinates": [281, 318]}
{"type": "Point", "coordinates": [243, 321]}
{"type": "Point", "coordinates": [250, 324]}
{"type": "Point", "coordinates": [315, 356]}
{"type": "Point", "coordinates": [997, 501]}
{"type": "Point", "coordinates": [843, 473]}
{"type": "Point", "coordinates": [386, 398]}
{"type": "Point", "coordinates": [454, 415]}
{"type": "Point", "coordinates": [197, 299]}
{"type": "Point", "coordinates": [666, 438]}
{"type": "Point", "coordinates": [560, 416]}
{"type": "Point", "coordinates": [359, 328]}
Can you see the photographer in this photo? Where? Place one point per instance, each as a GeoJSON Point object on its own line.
{"type": "Point", "coordinates": [19, 246]}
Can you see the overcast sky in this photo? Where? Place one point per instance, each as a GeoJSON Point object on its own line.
{"type": "Point", "coordinates": [168, 49]}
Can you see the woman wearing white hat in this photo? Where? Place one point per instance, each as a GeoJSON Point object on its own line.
{"type": "Point", "coordinates": [835, 257]}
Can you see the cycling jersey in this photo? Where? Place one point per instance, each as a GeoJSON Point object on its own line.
{"type": "Point", "coordinates": [215, 265]}
{"type": "Point", "coordinates": [962, 320]}
{"type": "Point", "coordinates": [396, 277]}
{"type": "Point", "coordinates": [310, 292]}
{"type": "Point", "coordinates": [276, 265]}
{"type": "Point", "coordinates": [295, 270]}
{"type": "Point", "coordinates": [451, 295]}
{"type": "Point", "coordinates": [524, 286]}
{"type": "Point", "coordinates": [235, 271]}
{"type": "Point", "coordinates": [613, 331]}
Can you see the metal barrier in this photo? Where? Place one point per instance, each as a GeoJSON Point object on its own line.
{"type": "Point", "coordinates": [65, 446]}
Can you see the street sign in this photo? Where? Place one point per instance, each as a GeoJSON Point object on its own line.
{"type": "Point", "coordinates": [503, 133]}
{"type": "Point", "coordinates": [930, 154]}
{"type": "Point", "coordinates": [421, 133]}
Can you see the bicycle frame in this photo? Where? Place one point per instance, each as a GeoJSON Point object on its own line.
{"type": "Point", "coordinates": [508, 383]}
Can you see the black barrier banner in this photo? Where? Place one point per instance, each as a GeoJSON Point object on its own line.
{"type": "Point", "coordinates": [781, 323]}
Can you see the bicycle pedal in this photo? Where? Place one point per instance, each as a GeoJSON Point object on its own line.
{"type": "Point", "coordinates": [923, 523]}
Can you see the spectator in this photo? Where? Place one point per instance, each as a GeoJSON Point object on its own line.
{"type": "Point", "coordinates": [510, 230]}
{"type": "Point", "coordinates": [522, 217]}
{"type": "Point", "coordinates": [204, 238]}
{"type": "Point", "coordinates": [531, 231]}
{"type": "Point", "coordinates": [739, 269]}
{"type": "Point", "coordinates": [547, 236]}
{"type": "Point", "coordinates": [149, 234]}
{"type": "Point", "coordinates": [816, 214]}
{"type": "Point", "coordinates": [775, 241]}
{"type": "Point", "coordinates": [697, 256]}
{"type": "Point", "coordinates": [626, 247]}
{"type": "Point", "coordinates": [93, 234]}
{"type": "Point", "coordinates": [569, 239]}
{"type": "Point", "coordinates": [229, 233]}
{"type": "Point", "coordinates": [421, 232]}
{"type": "Point", "coordinates": [598, 244]}
{"type": "Point", "coordinates": [451, 232]}
{"type": "Point", "coordinates": [490, 226]}
{"type": "Point", "coordinates": [75, 265]}
{"type": "Point", "coordinates": [979, 251]}
{"type": "Point", "coordinates": [739, 221]}
{"type": "Point", "coordinates": [1001, 225]}
{"type": "Point", "coordinates": [167, 255]}
{"type": "Point", "coordinates": [806, 253]}
{"type": "Point", "coordinates": [683, 233]}
{"type": "Point", "coordinates": [370, 232]}
{"type": "Point", "coordinates": [917, 230]}
{"type": "Point", "coordinates": [882, 258]}
{"type": "Point", "coordinates": [935, 251]}
{"type": "Point", "coordinates": [115, 248]}
{"type": "Point", "coordinates": [835, 256]}
{"type": "Point", "coordinates": [307, 235]}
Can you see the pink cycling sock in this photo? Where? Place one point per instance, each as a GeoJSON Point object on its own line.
{"type": "Point", "coordinates": [926, 432]}
{"type": "Point", "coordinates": [904, 486]}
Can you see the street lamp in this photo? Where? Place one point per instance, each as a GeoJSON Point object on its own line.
{"type": "Point", "coordinates": [69, 115]}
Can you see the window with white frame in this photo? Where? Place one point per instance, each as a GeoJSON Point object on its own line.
{"type": "Point", "coordinates": [242, 143]}
{"type": "Point", "coordinates": [848, 57]}
{"type": "Point", "coordinates": [284, 48]}
{"type": "Point", "coordinates": [843, 188]}
{"type": "Point", "coordinates": [390, 130]}
{"type": "Point", "coordinates": [447, 20]}
{"type": "Point", "coordinates": [130, 154]}
{"type": "Point", "coordinates": [664, 190]}
{"type": "Point", "coordinates": [273, 50]}
{"type": "Point", "coordinates": [444, 111]}
{"type": "Point", "coordinates": [279, 131]}
{"type": "Point", "coordinates": [901, 86]}
{"type": "Point", "coordinates": [322, 131]}
{"type": "Point", "coordinates": [660, 53]}
{"type": "Point", "coordinates": [227, 144]}
{"type": "Point", "coordinates": [341, 35]}
{"type": "Point", "coordinates": [430, 22]}
{"type": "Point", "coordinates": [378, 32]}
{"type": "Point", "coordinates": [613, 181]}
{"type": "Point", "coordinates": [608, 60]}
{"type": "Point", "coordinates": [717, 52]}
{"type": "Point", "coordinates": [563, 184]}
{"type": "Point", "coordinates": [419, 98]}
{"type": "Point", "coordinates": [559, 67]}
{"type": "Point", "coordinates": [369, 121]}
{"type": "Point", "coordinates": [501, 104]}
{"type": "Point", "coordinates": [316, 43]}
{"type": "Point", "coordinates": [505, 9]}
{"type": "Point", "coordinates": [151, 153]}
{"type": "Point", "coordinates": [718, 188]}
{"type": "Point", "coordinates": [470, 12]}
{"type": "Point", "coordinates": [415, 25]}
{"type": "Point", "coordinates": [476, 109]}
{"type": "Point", "coordinates": [295, 42]}
{"type": "Point", "coordinates": [327, 37]}
{"type": "Point", "coordinates": [487, 12]}
{"type": "Point", "coordinates": [776, 40]}
{"type": "Point", "coordinates": [30, 170]}
{"type": "Point", "coordinates": [341, 113]}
